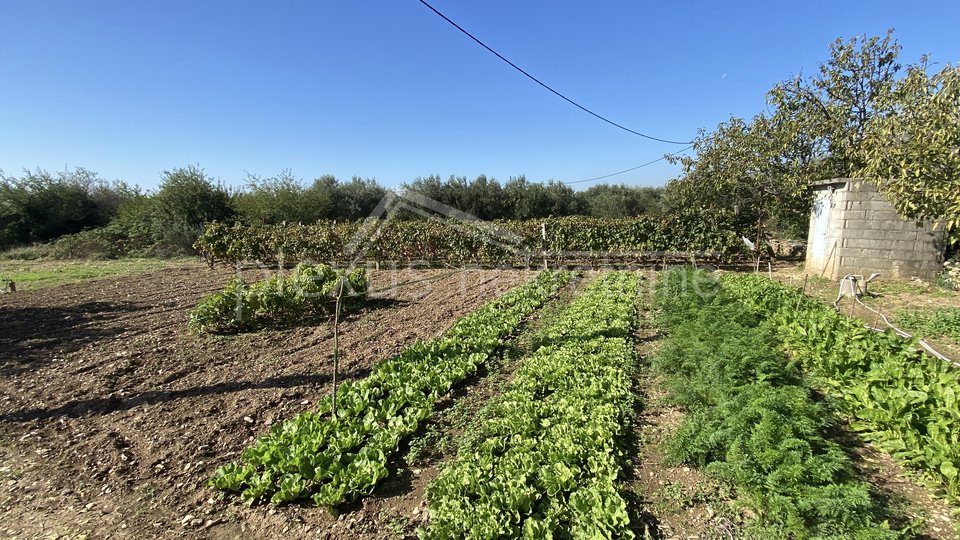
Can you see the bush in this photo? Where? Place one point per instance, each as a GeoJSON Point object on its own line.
{"type": "Point", "coordinates": [39, 206]}
{"type": "Point", "coordinates": [241, 306]}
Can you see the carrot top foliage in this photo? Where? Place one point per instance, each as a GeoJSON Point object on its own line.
{"type": "Point", "coordinates": [752, 421]}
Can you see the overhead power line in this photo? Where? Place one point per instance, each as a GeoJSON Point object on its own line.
{"type": "Point", "coordinates": [642, 165]}
{"type": "Point", "coordinates": [541, 83]}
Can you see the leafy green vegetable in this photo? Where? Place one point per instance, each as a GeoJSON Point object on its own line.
{"type": "Point", "coordinates": [330, 460]}
{"type": "Point", "coordinates": [544, 460]}
{"type": "Point", "coordinates": [901, 399]}
{"type": "Point", "coordinates": [751, 420]}
{"type": "Point", "coordinates": [243, 306]}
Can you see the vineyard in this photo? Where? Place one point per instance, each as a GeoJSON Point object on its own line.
{"type": "Point", "coordinates": [448, 241]}
{"type": "Point", "coordinates": [483, 404]}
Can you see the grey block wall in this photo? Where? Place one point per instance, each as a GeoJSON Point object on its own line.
{"type": "Point", "coordinates": [866, 235]}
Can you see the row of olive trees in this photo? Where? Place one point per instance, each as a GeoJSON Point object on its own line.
{"type": "Point", "coordinates": [93, 217]}
{"type": "Point", "coordinates": [285, 198]}
{"type": "Point", "coordinates": [860, 115]}
{"type": "Point", "coordinates": [519, 198]}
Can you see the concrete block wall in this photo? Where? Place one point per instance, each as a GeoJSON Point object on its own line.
{"type": "Point", "coordinates": [866, 235]}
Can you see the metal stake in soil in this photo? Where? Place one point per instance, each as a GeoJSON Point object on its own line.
{"type": "Point", "coordinates": [336, 347]}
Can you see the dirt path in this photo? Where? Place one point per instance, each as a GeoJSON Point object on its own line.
{"type": "Point", "coordinates": [668, 501]}
{"type": "Point", "coordinates": [112, 416]}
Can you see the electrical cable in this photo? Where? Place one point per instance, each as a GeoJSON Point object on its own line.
{"type": "Point", "coordinates": [541, 83]}
{"type": "Point", "coordinates": [625, 170]}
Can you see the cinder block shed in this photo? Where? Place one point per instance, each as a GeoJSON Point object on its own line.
{"type": "Point", "coordinates": [855, 230]}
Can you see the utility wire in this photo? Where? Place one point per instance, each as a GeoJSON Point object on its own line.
{"type": "Point", "coordinates": [538, 81]}
{"type": "Point", "coordinates": [625, 170]}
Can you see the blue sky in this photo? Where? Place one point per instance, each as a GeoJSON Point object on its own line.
{"type": "Point", "coordinates": [386, 89]}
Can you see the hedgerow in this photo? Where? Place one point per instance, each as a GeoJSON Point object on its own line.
{"type": "Point", "coordinates": [439, 241]}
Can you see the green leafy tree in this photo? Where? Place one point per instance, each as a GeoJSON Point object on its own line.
{"type": "Point", "coordinates": [281, 198]}
{"type": "Point", "coordinates": [187, 197]}
{"type": "Point", "coordinates": [620, 200]}
{"type": "Point", "coordinates": [40, 206]}
{"type": "Point", "coordinates": [913, 153]}
{"type": "Point", "coordinates": [533, 200]}
{"type": "Point", "coordinates": [830, 110]}
{"type": "Point", "coordinates": [356, 199]}
{"type": "Point", "coordinates": [743, 176]}
{"type": "Point", "coordinates": [186, 201]}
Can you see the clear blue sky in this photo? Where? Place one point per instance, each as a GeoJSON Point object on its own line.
{"type": "Point", "coordinates": [386, 89]}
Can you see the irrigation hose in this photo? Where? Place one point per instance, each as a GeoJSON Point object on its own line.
{"type": "Point", "coordinates": [926, 346]}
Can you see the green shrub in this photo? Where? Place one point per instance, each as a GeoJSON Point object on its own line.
{"type": "Point", "coordinates": [306, 291]}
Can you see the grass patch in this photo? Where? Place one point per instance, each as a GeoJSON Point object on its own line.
{"type": "Point", "coordinates": [898, 288]}
{"type": "Point", "coordinates": [939, 323]}
{"type": "Point", "coordinates": [30, 275]}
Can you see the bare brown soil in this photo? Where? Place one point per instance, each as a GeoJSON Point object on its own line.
{"type": "Point", "coordinates": [112, 416]}
{"type": "Point", "coordinates": [902, 493]}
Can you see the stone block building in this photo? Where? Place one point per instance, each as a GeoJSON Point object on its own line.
{"type": "Point", "coordinates": [855, 230]}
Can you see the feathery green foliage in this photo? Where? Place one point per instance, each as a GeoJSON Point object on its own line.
{"type": "Point", "coordinates": [752, 421]}
{"type": "Point", "coordinates": [900, 398]}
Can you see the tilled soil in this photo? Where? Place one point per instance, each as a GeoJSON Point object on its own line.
{"type": "Point", "coordinates": [112, 416]}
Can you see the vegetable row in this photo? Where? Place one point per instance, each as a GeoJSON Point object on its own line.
{"type": "Point", "coordinates": [244, 306]}
{"type": "Point", "coordinates": [454, 242]}
{"type": "Point", "coordinates": [751, 420]}
{"type": "Point", "coordinates": [544, 458]}
{"type": "Point", "coordinates": [334, 459]}
{"type": "Point", "coordinates": [901, 399]}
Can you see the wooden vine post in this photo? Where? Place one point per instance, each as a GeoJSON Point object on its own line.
{"type": "Point", "coordinates": [336, 345]}
{"type": "Point", "coordinates": [803, 291]}
{"type": "Point", "coordinates": [543, 233]}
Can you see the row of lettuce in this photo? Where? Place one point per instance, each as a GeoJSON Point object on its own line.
{"type": "Point", "coordinates": [463, 242]}
{"type": "Point", "coordinates": [332, 459]}
{"type": "Point", "coordinates": [752, 421]}
{"type": "Point", "coordinates": [545, 459]}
